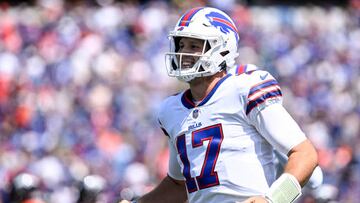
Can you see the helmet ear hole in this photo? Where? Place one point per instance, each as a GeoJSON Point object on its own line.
{"type": "Point", "coordinates": [224, 53]}
{"type": "Point", "coordinates": [207, 46]}
{"type": "Point", "coordinates": [223, 66]}
{"type": "Point", "coordinates": [201, 68]}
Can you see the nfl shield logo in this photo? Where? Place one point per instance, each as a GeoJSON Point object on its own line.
{"type": "Point", "coordinates": [195, 113]}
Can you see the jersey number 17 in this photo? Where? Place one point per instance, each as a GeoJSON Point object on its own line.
{"type": "Point", "coordinates": [208, 176]}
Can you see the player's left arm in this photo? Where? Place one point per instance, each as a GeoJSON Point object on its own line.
{"type": "Point", "coordinates": [265, 111]}
{"type": "Point", "coordinates": [316, 178]}
{"type": "Point", "coordinates": [302, 161]}
{"type": "Point", "coordinates": [280, 129]}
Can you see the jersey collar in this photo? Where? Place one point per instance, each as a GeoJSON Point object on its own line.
{"type": "Point", "coordinates": [188, 101]}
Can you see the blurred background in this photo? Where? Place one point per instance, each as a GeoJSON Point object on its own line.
{"type": "Point", "coordinates": [81, 82]}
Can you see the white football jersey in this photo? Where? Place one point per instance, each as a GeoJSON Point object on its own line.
{"type": "Point", "coordinates": [223, 146]}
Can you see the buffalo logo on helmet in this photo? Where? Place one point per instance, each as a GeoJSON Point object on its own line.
{"type": "Point", "coordinates": [219, 20]}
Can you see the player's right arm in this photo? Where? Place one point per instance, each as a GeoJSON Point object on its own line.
{"type": "Point", "coordinates": [172, 188]}
{"type": "Point", "coordinates": [169, 190]}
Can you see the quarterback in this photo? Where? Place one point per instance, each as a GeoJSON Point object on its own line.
{"type": "Point", "coordinates": [223, 130]}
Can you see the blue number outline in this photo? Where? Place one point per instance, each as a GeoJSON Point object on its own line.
{"type": "Point", "coordinates": [208, 176]}
{"type": "Point", "coordinates": [181, 148]}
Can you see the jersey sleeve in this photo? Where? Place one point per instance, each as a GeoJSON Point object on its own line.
{"type": "Point", "coordinates": [163, 129]}
{"type": "Point", "coordinates": [264, 90]}
{"type": "Point", "coordinates": [277, 126]}
{"type": "Point", "coordinates": [174, 170]}
{"type": "Point", "coordinates": [265, 111]}
{"type": "Point", "coordinates": [174, 167]}
{"type": "Point", "coordinates": [161, 117]}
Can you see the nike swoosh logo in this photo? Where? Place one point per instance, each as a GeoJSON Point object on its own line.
{"type": "Point", "coordinates": [262, 77]}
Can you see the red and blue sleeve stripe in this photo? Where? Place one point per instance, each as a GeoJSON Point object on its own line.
{"type": "Point", "coordinates": [262, 92]}
{"type": "Point", "coordinates": [263, 85]}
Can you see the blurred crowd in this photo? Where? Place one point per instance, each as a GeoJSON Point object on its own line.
{"type": "Point", "coordinates": [80, 87]}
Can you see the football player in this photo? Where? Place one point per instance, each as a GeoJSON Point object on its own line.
{"type": "Point", "coordinates": [222, 131]}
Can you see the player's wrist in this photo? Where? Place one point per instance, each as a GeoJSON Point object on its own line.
{"type": "Point", "coordinates": [286, 189]}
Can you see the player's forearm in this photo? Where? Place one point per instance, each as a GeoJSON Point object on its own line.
{"type": "Point", "coordinates": [168, 190]}
{"type": "Point", "coordinates": [302, 161]}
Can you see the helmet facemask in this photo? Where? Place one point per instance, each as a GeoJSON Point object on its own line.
{"type": "Point", "coordinates": [199, 64]}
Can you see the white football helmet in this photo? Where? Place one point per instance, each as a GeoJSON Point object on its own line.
{"type": "Point", "coordinates": [220, 37]}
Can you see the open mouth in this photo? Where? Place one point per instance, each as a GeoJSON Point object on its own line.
{"type": "Point", "coordinates": [187, 64]}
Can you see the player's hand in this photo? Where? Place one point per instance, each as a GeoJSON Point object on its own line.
{"type": "Point", "coordinates": [257, 199]}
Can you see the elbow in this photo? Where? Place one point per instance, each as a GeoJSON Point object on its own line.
{"type": "Point", "coordinates": [307, 153]}
{"type": "Point", "coordinates": [310, 154]}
